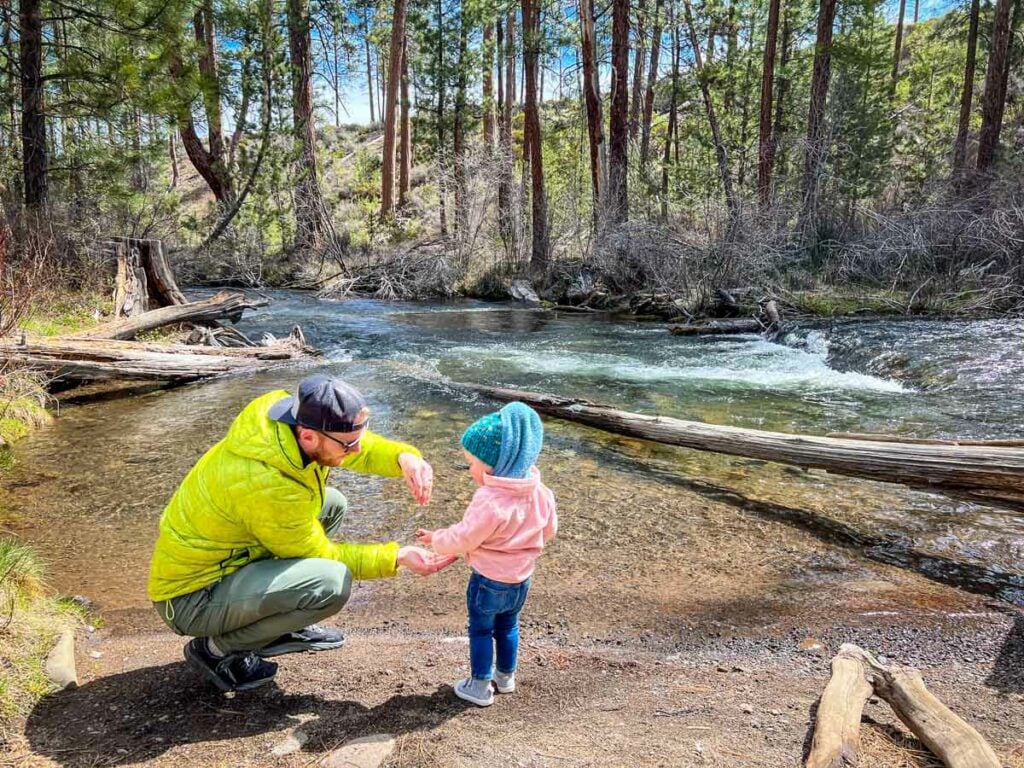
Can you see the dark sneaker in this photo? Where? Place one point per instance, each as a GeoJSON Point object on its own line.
{"type": "Point", "coordinates": [234, 672]}
{"type": "Point", "coordinates": [312, 638]}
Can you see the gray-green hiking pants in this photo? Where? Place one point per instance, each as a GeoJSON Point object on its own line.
{"type": "Point", "coordinates": [263, 600]}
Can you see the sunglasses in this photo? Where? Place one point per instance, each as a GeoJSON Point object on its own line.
{"type": "Point", "coordinates": [349, 445]}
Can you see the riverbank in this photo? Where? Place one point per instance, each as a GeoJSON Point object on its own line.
{"type": "Point", "coordinates": [693, 638]}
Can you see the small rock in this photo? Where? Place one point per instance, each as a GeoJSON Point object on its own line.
{"type": "Point", "coordinates": [722, 668]}
{"type": "Point", "coordinates": [746, 709]}
{"type": "Point", "coordinates": [741, 670]}
{"type": "Point", "coordinates": [292, 743]}
{"type": "Point", "coordinates": [813, 646]}
{"type": "Point", "coordinates": [367, 752]}
{"type": "Point", "coordinates": [60, 664]}
{"type": "Point", "coordinates": [96, 654]}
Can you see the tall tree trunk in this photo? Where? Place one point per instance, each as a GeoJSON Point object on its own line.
{"type": "Point", "coordinates": [966, 94]}
{"type": "Point", "coordinates": [618, 134]}
{"type": "Point", "coordinates": [995, 86]}
{"type": "Point", "coordinates": [387, 196]}
{"type": "Point", "coordinates": [488, 86]}
{"type": "Point", "coordinates": [639, 55]}
{"type": "Point", "coordinates": [745, 89]}
{"type": "Point", "coordinates": [779, 124]}
{"type": "Point", "coordinates": [369, 62]}
{"type": "Point", "coordinates": [899, 49]}
{"type": "Point", "coordinates": [33, 117]}
{"type": "Point", "coordinates": [766, 145]}
{"type": "Point", "coordinates": [532, 137]}
{"type": "Point", "coordinates": [652, 82]}
{"type": "Point", "coordinates": [439, 67]}
{"type": "Point", "coordinates": [917, 10]}
{"type": "Point", "coordinates": [241, 122]}
{"type": "Point", "coordinates": [404, 131]}
{"type": "Point", "coordinates": [507, 215]}
{"type": "Point", "coordinates": [672, 111]}
{"type": "Point", "coordinates": [731, 202]}
{"type": "Point", "coordinates": [206, 38]}
{"type": "Point", "coordinates": [458, 138]}
{"type": "Point", "coordinates": [592, 97]}
{"type": "Point", "coordinates": [310, 214]}
{"type": "Point", "coordinates": [816, 133]}
{"type": "Point", "coordinates": [172, 148]}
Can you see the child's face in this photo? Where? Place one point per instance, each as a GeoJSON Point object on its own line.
{"type": "Point", "coordinates": [476, 467]}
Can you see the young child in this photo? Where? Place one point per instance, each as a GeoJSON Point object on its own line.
{"type": "Point", "coordinates": [508, 522]}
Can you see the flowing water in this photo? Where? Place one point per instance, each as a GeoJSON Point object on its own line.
{"type": "Point", "coordinates": [89, 490]}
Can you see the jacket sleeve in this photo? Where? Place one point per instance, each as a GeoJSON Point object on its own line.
{"type": "Point", "coordinates": [379, 456]}
{"type": "Point", "coordinates": [476, 525]}
{"type": "Point", "coordinates": [286, 527]}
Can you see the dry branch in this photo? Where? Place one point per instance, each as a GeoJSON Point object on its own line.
{"type": "Point", "coordinates": [837, 729]}
{"type": "Point", "coordinates": [952, 740]}
{"type": "Point", "coordinates": [223, 305]}
{"type": "Point", "coordinates": [981, 473]}
{"type": "Point", "coordinates": [96, 360]}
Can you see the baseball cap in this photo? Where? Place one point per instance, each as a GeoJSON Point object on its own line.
{"type": "Point", "coordinates": [323, 403]}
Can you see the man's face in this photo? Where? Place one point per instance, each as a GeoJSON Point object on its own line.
{"type": "Point", "coordinates": [330, 449]}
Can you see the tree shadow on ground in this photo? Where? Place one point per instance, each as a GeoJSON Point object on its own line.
{"type": "Point", "coordinates": [136, 716]}
{"type": "Point", "coordinates": [1007, 673]}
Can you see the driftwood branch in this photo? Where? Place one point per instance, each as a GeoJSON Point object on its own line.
{"type": "Point", "coordinates": [223, 305]}
{"type": "Point", "coordinates": [837, 730]}
{"type": "Point", "coordinates": [949, 737]}
{"type": "Point", "coordinates": [80, 360]}
{"type": "Point", "coordinates": [981, 473]}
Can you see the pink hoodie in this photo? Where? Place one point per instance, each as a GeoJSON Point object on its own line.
{"type": "Point", "coordinates": [505, 527]}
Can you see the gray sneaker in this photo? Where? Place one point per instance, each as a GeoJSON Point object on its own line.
{"type": "Point", "coordinates": [313, 638]}
{"type": "Point", "coordinates": [475, 691]}
{"type": "Point", "coordinates": [505, 682]}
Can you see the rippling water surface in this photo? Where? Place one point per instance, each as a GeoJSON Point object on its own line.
{"type": "Point", "coordinates": [89, 490]}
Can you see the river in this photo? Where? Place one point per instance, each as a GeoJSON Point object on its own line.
{"type": "Point", "coordinates": [88, 491]}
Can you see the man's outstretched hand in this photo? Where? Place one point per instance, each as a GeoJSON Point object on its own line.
{"type": "Point", "coordinates": [419, 476]}
{"type": "Point", "coordinates": [423, 561]}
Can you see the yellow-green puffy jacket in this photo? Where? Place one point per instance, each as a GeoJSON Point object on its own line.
{"type": "Point", "coordinates": [250, 497]}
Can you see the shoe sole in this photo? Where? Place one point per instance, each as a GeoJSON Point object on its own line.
{"type": "Point", "coordinates": [509, 689]}
{"type": "Point", "coordinates": [472, 700]}
{"type": "Point", "coordinates": [280, 650]}
{"type": "Point", "coordinates": [217, 680]}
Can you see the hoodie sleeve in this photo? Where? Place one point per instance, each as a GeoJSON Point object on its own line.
{"type": "Point", "coordinates": [283, 524]}
{"type": "Point", "coordinates": [379, 456]}
{"type": "Point", "coordinates": [476, 525]}
{"type": "Point", "coordinates": [552, 527]}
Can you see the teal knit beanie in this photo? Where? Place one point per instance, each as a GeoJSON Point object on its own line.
{"type": "Point", "coordinates": [483, 439]}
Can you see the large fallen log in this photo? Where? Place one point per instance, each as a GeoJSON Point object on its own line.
{"type": "Point", "coordinates": [837, 729]}
{"type": "Point", "coordinates": [982, 473]}
{"type": "Point", "coordinates": [949, 737]}
{"type": "Point", "coordinates": [222, 306]}
{"type": "Point", "coordinates": [81, 360]}
{"type": "Point", "coordinates": [718, 327]}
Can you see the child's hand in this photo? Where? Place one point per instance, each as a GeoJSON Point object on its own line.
{"type": "Point", "coordinates": [425, 537]}
{"type": "Point", "coordinates": [423, 561]}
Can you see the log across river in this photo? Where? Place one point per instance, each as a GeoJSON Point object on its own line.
{"type": "Point", "coordinates": [990, 474]}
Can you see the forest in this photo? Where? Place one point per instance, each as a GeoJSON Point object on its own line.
{"type": "Point", "coordinates": [822, 148]}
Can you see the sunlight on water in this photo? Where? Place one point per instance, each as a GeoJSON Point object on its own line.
{"type": "Point", "coordinates": [89, 490]}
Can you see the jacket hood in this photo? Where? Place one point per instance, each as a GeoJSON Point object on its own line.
{"type": "Point", "coordinates": [520, 486]}
{"type": "Point", "coordinates": [254, 435]}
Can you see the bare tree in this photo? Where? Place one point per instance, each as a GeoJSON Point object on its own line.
{"type": "Point", "coordinates": [541, 245]}
{"type": "Point", "coordinates": [816, 133]}
{"type": "Point", "coordinates": [488, 86]}
{"type": "Point", "coordinates": [639, 54]}
{"type": "Point", "coordinates": [967, 93]}
{"type": "Point", "coordinates": [618, 129]}
{"type": "Point", "coordinates": [731, 202]}
{"type": "Point", "coordinates": [766, 143]}
{"type": "Point", "coordinates": [404, 131]}
{"type": "Point", "coordinates": [387, 195]}
{"type": "Point", "coordinates": [592, 97]}
{"type": "Point", "coordinates": [995, 86]}
{"type": "Point", "coordinates": [652, 82]}
{"type": "Point", "coordinates": [369, 60]}
{"type": "Point", "coordinates": [311, 213]}
{"type": "Point", "coordinates": [35, 166]}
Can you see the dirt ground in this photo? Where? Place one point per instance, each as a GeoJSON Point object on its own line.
{"type": "Point", "coordinates": [682, 629]}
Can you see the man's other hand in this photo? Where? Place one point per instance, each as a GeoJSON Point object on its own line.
{"type": "Point", "coordinates": [419, 476]}
{"type": "Point", "coordinates": [423, 561]}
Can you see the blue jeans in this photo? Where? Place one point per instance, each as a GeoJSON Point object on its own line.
{"type": "Point", "coordinates": [494, 608]}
